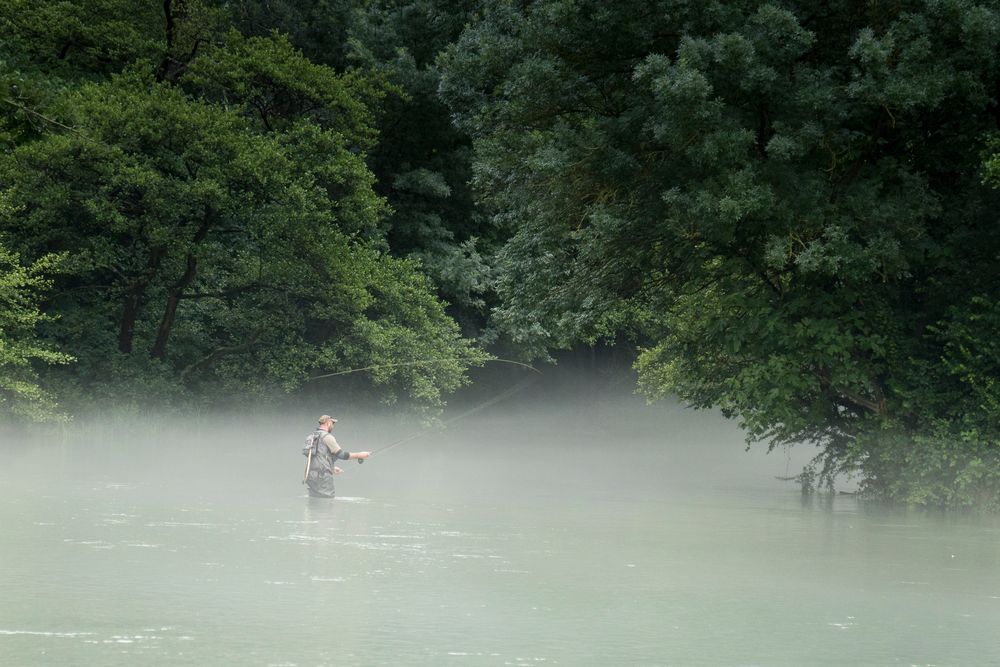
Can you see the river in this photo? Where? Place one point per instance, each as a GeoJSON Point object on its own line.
{"type": "Point", "coordinates": [597, 532]}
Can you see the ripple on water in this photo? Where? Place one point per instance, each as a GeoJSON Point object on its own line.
{"type": "Point", "coordinates": [846, 625]}
{"type": "Point", "coordinates": [475, 556]}
{"type": "Point", "coordinates": [176, 524]}
{"type": "Point", "coordinates": [387, 546]}
{"type": "Point", "coordinates": [46, 633]}
{"type": "Point", "coordinates": [117, 519]}
{"type": "Point", "coordinates": [93, 544]}
{"type": "Point", "coordinates": [298, 538]}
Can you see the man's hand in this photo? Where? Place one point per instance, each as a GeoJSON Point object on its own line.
{"type": "Point", "coordinates": [337, 470]}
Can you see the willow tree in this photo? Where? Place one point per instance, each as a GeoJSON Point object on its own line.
{"type": "Point", "coordinates": [783, 201]}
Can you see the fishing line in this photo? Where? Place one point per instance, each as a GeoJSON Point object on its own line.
{"type": "Point", "coordinates": [422, 362]}
{"type": "Point", "coordinates": [482, 406]}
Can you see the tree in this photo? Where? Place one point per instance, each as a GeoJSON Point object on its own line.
{"type": "Point", "coordinates": [218, 221]}
{"type": "Point", "coordinates": [422, 163]}
{"type": "Point", "coordinates": [21, 289]}
{"type": "Point", "coordinates": [73, 40]}
{"type": "Point", "coordinates": [781, 202]}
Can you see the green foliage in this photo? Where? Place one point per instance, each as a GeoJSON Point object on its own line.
{"type": "Point", "coordinates": [403, 321]}
{"type": "Point", "coordinates": [782, 202]}
{"type": "Point", "coordinates": [21, 289]}
{"type": "Point", "coordinates": [277, 86]}
{"type": "Point", "coordinates": [943, 468]}
{"type": "Point", "coordinates": [216, 221]}
{"type": "Point", "coordinates": [422, 162]}
{"type": "Point", "coordinates": [74, 39]}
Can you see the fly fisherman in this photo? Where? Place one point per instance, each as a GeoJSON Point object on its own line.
{"type": "Point", "coordinates": [321, 454]}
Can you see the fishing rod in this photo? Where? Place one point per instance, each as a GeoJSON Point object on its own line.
{"type": "Point", "coordinates": [482, 406]}
{"type": "Point", "coordinates": [420, 362]}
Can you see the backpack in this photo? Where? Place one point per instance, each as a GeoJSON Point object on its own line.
{"type": "Point", "coordinates": [312, 442]}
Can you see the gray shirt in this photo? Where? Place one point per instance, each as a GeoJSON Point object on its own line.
{"type": "Point", "coordinates": [331, 443]}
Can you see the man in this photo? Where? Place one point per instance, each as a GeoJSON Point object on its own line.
{"type": "Point", "coordinates": [325, 450]}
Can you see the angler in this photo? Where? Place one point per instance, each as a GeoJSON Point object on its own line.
{"type": "Point", "coordinates": [321, 452]}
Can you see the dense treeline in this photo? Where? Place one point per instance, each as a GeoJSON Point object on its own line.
{"type": "Point", "coordinates": [785, 200]}
{"type": "Point", "coordinates": [197, 211]}
{"type": "Point", "coordinates": [788, 206]}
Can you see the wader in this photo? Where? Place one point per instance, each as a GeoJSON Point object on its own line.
{"type": "Point", "coordinates": [320, 477]}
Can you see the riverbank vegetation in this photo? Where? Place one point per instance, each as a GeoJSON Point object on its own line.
{"type": "Point", "coordinates": [785, 210]}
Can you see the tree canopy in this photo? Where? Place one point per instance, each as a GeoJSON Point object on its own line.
{"type": "Point", "coordinates": [208, 196]}
{"type": "Point", "coordinates": [782, 202]}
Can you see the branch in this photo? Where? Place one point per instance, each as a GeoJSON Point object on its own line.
{"type": "Point", "coordinates": [51, 121]}
{"type": "Point", "coordinates": [223, 351]}
{"type": "Point", "coordinates": [876, 406]}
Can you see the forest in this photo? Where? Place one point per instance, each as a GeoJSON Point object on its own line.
{"type": "Point", "coordinates": [783, 210]}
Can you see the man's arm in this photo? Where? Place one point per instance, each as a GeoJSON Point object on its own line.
{"type": "Point", "coordinates": [335, 450]}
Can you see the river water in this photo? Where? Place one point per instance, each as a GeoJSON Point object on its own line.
{"type": "Point", "coordinates": [589, 533]}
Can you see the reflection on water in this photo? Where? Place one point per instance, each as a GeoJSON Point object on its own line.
{"type": "Point", "coordinates": [610, 535]}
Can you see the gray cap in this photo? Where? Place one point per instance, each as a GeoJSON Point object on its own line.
{"type": "Point", "coordinates": [327, 418]}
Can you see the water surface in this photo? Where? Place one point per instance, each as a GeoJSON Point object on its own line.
{"type": "Point", "coordinates": [599, 532]}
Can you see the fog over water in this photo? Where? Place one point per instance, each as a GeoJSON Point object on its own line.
{"type": "Point", "coordinates": [557, 527]}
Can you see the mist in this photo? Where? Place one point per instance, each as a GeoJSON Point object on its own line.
{"type": "Point", "coordinates": [569, 524]}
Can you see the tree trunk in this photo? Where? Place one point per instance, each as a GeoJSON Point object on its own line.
{"type": "Point", "coordinates": [130, 311]}
{"type": "Point", "coordinates": [133, 300]}
{"type": "Point", "coordinates": [173, 12]}
{"type": "Point", "coordinates": [159, 350]}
